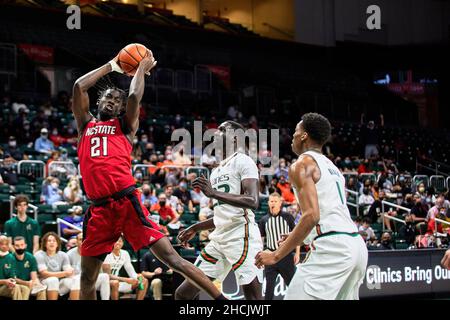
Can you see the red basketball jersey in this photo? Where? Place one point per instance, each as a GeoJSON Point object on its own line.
{"type": "Point", "coordinates": [104, 153]}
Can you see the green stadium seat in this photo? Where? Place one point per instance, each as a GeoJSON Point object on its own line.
{"type": "Point", "coordinates": [45, 217]}
{"type": "Point", "coordinates": [63, 209]}
{"type": "Point", "coordinates": [4, 188]}
{"type": "Point", "coordinates": [23, 188]}
{"type": "Point", "coordinates": [45, 208]}
{"type": "Point", "coordinates": [49, 226]}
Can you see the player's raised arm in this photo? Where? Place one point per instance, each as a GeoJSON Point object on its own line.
{"type": "Point", "coordinates": [80, 103]}
{"type": "Point", "coordinates": [137, 87]}
{"type": "Point", "coordinates": [248, 199]}
{"type": "Point", "coordinates": [301, 174]}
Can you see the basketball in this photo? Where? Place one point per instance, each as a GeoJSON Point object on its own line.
{"type": "Point", "coordinates": [130, 56]}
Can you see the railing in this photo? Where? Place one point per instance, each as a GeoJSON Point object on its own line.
{"type": "Point", "coordinates": [11, 209]}
{"type": "Point", "coordinates": [58, 221]}
{"type": "Point", "coordinates": [438, 182]}
{"type": "Point", "coordinates": [355, 205]}
{"type": "Point", "coordinates": [383, 203]}
{"type": "Point", "coordinates": [33, 163]}
{"type": "Point", "coordinates": [417, 179]}
{"type": "Point", "coordinates": [62, 168]}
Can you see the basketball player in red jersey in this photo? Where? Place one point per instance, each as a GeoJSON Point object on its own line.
{"type": "Point", "coordinates": [104, 149]}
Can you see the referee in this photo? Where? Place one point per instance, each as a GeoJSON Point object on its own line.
{"type": "Point", "coordinates": [272, 226]}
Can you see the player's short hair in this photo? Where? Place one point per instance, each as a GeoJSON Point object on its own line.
{"type": "Point", "coordinates": [19, 199]}
{"type": "Point", "coordinates": [275, 194]}
{"type": "Point", "coordinates": [317, 126]}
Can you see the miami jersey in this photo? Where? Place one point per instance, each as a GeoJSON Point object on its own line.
{"type": "Point", "coordinates": [227, 177]}
{"type": "Point", "coordinates": [105, 158]}
{"type": "Point", "coordinates": [334, 214]}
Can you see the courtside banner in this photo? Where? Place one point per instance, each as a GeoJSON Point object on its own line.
{"type": "Point", "coordinates": [389, 273]}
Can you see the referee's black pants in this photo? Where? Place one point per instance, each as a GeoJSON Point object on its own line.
{"type": "Point", "coordinates": [285, 267]}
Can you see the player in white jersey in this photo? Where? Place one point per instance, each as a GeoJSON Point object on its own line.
{"type": "Point", "coordinates": [236, 239]}
{"type": "Point", "coordinates": [336, 265]}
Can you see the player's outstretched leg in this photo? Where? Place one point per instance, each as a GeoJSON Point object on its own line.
{"type": "Point", "coordinates": [164, 251]}
{"type": "Point", "coordinates": [90, 268]}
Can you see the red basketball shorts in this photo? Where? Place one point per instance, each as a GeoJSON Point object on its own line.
{"type": "Point", "coordinates": [103, 225]}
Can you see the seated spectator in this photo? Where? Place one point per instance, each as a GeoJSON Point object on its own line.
{"type": "Point", "coordinates": [282, 170]}
{"type": "Point", "coordinates": [43, 144]}
{"type": "Point", "coordinates": [180, 158]}
{"type": "Point", "coordinates": [171, 199]}
{"type": "Point", "coordinates": [54, 156]}
{"type": "Point", "coordinates": [421, 191]}
{"type": "Point", "coordinates": [55, 270]}
{"type": "Point", "coordinates": [367, 232]}
{"type": "Point", "coordinates": [22, 225]}
{"type": "Point", "coordinates": [147, 196]}
{"type": "Point", "coordinates": [199, 198]}
{"type": "Point", "coordinates": [18, 105]}
{"type": "Point", "coordinates": [71, 243]}
{"type": "Point", "coordinates": [54, 195]}
{"type": "Point", "coordinates": [263, 189]}
{"type": "Point", "coordinates": [113, 264]}
{"type": "Point", "coordinates": [72, 192]}
{"type": "Point", "coordinates": [408, 230]}
{"type": "Point", "coordinates": [75, 218]}
{"type": "Point", "coordinates": [136, 152]}
{"type": "Point", "coordinates": [183, 194]}
{"type": "Point", "coordinates": [9, 288]}
{"type": "Point", "coordinates": [285, 188]}
{"type": "Point", "coordinates": [8, 170]}
{"type": "Point", "coordinates": [25, 267]}
{"type": "Point", "coordinates": [208, 160]}
{"type": "Point", "coordinates": [365, 200]}
{"type": "Point", "coordinates": [102, 283]}
{"type": "Point", "coordinates": [385, 243]}
{"type": "Point", "coordinates": [57, 139]}
{"type": "Point", "coordinates": [419, 210]}
{"type": "Point", "coordinates": [376, 207]}
{"type": "Point", "coordinates": [168, 216]}
{"type": "Point", "coordinates": [436, 211]}
{"type": "Point", "coordinates": [157, 273]}
{"type": "Point", "coordinates": [13, 150]}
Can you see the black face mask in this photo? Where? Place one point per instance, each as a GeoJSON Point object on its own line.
{"type": "Point", "coordinates": [386, 243]}
{"type": "Point", "coordinates": [20, 251]}
{"type": "Point", "coordinates": [162, 203]}
{"type": "Point", "coordinates": [146, 193]}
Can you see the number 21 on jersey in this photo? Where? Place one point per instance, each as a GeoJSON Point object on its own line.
{"type": "Point", "coordinates": [99, 146]}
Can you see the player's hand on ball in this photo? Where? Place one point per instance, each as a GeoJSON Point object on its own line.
{"type": "Point", "coordinates": [446, 260]}
{"type": "Point", "coordinates": [186, 235]}
{"type": "Point", "coordinates": [115, 64]}
{"type": "Point", "coordinates": [148, 63]}
{"type": "Point", "coordinates": [265, 258]}
{"type": "Point", "coordinates": [204, 185]}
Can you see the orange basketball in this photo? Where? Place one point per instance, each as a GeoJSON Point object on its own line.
{"type": "Point", "coordinates": [130, 56]}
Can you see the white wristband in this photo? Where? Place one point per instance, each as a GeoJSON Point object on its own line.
{"type": "Point", "coordinates": [115, 66]}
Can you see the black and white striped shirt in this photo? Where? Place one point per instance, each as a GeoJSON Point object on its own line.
{"type": "Point", "coordinates": [273, 227]}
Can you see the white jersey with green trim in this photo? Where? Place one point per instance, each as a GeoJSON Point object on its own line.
{"type": "Point", "coordinates": [334, 213]}
{"type": "Point", "coordinates": [227, 177]}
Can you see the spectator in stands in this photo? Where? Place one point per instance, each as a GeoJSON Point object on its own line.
{"type": "Point", "coordinates": [183, 194]}
{"type": "Point", "coordinates": [147, 196]}
{"type": "Point", "coordinates": [71, 243]}
{"type": "Point", "coordinates": [54, 195]}
{"type": "Point", "coordinates": [75, 218]}
{"type": "Point", "coordinates": [102, 283]}
{"type": "Point", "coordinates": [138, 176]}
{"type": "Point", "coordinates": [55, 270]}
{"type": "Point", "coordinates": [25, 267]}
{"type": "Point", "coordinates": [199, 198]}
{"type": "Point", "coordinates": [43, 144]}
{"type": "Point", "coordinates": [171, 199]}
{"type": "Point", "coordinates": [352, 184]}
{"type": "Point", "coordinates": [136, 152]}
{"type": "Point", "coordinates": [9, 288]}
{"type": "Point", "coordinates": [19, 105]}
{"type": "Point", "coordinates": [419, 210]}
{"type": "Point", "coordinates": [13, 150]}
{"type": "Point", "coordinates": [282, 170]}
{"type": "Point", "coordinates": [22, 225]}
{"type": "Point", "coordinates": [408, 230]}
{"type": "Point", "coordinates": [54, 156]}
{"type": "Point", "coordinates": [208, 160]}
{"type": "Point", "coordinates": [148, 152]}
{"type": "Point", "coordinates": [365, 200]}
{"type": "Point", "coordinates": [47, 108]}
{"type": "Point", "coordinates": [8, 170]}
{"type": "Point", "coordinates": [367, 232]}
{"type": "Point", "coordinates": [181, 158]}
{"type": "Point", "coordinates": [157, 273]}
{"type": "Point", "coordinates": [72, 192]}
{"type": "Point", "coordinates": [421, 191]}
{"type": "Point", "coordinates": [164, 210]}
{"type": "Point", "coordinates": [57, 139]}
{"type": "Point", "coordinates": [384, 244]}
{"type": "Point", "coordinates": [371, 136]}
{"type": "Point", "coordinates": [113, 264]}
{"type": "Point", "coordinates": [285, 188]}
{"type": "Point", "coordinates": [435, 212]}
